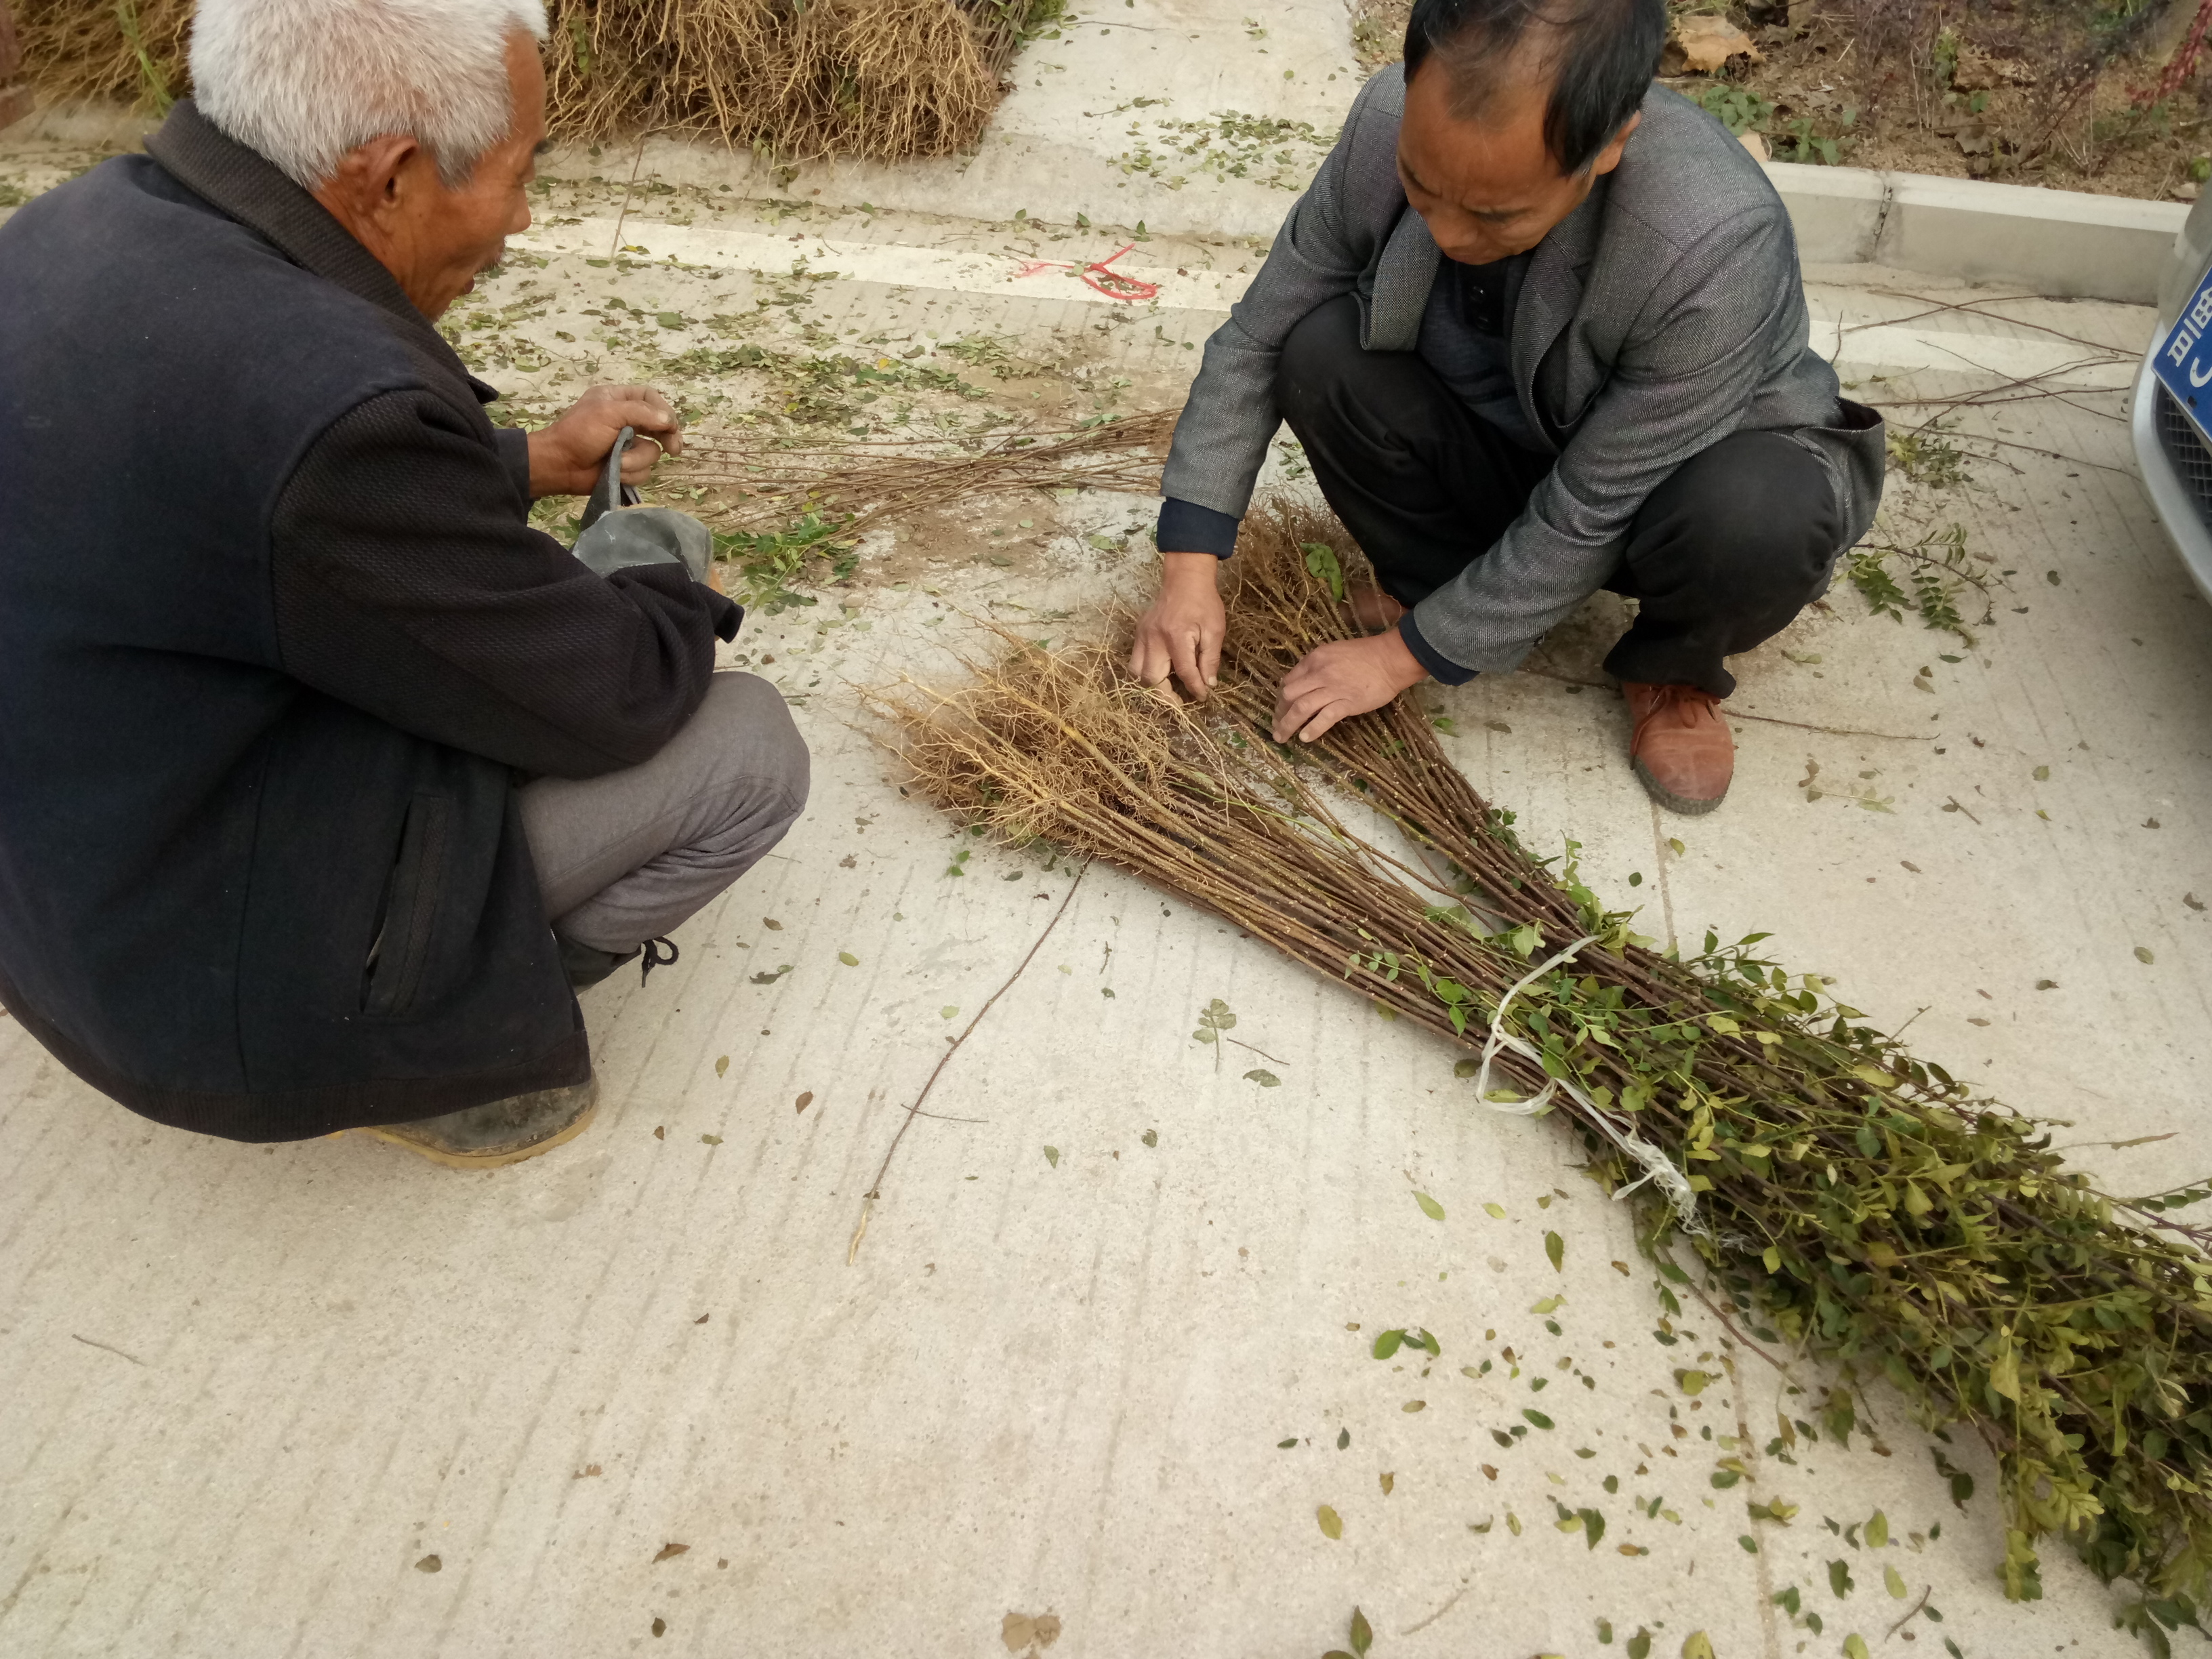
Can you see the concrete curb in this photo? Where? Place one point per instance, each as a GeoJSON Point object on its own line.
{"type": "Point", "coordinates": [2059, 244]}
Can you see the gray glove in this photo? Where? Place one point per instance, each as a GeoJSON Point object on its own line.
{"type": "Point", "coordinates": [618, 534]}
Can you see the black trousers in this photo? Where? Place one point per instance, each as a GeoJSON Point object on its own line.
{"type": "Point", "coordinates": [1722, 555]}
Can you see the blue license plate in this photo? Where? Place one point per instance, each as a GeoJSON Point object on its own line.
{"type": "Point", "coordinates": [2184, 363]}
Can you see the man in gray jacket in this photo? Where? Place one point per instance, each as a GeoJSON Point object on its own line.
{"type": "Point", "coordinates": [1540, 327]}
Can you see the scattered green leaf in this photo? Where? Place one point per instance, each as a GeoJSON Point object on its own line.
{"type": "Point", "coordinates": [1323, 562]}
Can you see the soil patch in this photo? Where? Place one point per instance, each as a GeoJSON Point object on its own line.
{"type": "Point", "coordinates": [2034, 91]}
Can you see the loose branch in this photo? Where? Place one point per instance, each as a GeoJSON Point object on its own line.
{"type": "Point", "coordinates": [875, 1187]}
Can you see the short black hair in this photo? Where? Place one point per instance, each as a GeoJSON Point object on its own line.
{"type": "Point", "coordinates": [1603, 55]}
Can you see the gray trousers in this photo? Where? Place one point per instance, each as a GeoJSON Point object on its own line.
{"type": "Point", "coordinates": [628, 856]}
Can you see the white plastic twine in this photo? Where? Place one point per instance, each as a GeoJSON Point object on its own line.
{"type": "Point", "coordinates": [1657, 1166]}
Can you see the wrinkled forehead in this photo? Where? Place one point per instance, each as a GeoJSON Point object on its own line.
{"type": "Point", "coordinates": [1485, 163]}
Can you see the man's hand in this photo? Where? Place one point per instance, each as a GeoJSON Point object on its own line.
{"type": "Point", "coordinates": [1342, 678]}
{"type": "Point", "coordinates": [1182, 630]}
{"type": "Point", "coordinates": [567, 458]}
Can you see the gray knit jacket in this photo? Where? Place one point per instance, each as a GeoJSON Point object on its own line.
{"type": "Point", "coordinates": [1664, 314]}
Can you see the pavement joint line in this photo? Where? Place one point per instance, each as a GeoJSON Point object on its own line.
{"type": "Point", "coordinates": [903, 264]}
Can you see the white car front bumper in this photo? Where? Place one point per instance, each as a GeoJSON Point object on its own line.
{"type": "Point", "coordinates": [2177, 469]}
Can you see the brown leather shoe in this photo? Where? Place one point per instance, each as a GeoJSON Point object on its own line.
{"type": "Point", "coordinates": [1682, 748]}
{"type": "Point", "coordinates": [1372, 611]}
{"type": "Point", "coordinates": [499, 1132]}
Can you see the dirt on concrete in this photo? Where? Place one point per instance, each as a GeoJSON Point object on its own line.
{"type": "Point", "coordinates": [2020, 91]}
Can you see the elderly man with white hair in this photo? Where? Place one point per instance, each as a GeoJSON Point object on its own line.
{"type": "Point", "coordinates": [325, 780]}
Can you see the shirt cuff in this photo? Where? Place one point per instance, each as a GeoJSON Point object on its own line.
{"type": "Point", "coordinates": [515, 451]}
{"type": "Point", "coordinates": [1187, 528]}
{"type": "Point", "coordinates": [1441, 667]}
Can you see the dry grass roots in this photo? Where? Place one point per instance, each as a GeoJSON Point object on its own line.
{"type": "Point", "coordinates": [1870, 1211]}
{"type": "Point", "coordinates": [795, 79]}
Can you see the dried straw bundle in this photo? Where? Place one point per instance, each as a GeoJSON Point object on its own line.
{"type": "Point", "coordinates": [794, 78]}
{"type": "Point", "coordinates": [883, 79]}
{"type": "Point", "coordinates": [98, 49]}
{"type": "Point", "coordinates": [1872, 1212]}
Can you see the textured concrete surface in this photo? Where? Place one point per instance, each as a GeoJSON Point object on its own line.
{"type": "Point", "coordinates": [326, 1399]}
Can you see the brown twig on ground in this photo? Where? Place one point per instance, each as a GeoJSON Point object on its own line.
{"type": "Point", "coordinates": [1729, 1325]}
{"type": "Point", "coordinates": [882, 480]}
{"type": "Point", "coordinates": [876, 1187]}
{"type": "Point", "coordinates": [1740, 714]}
{"type": "Point", "coordinates": [1916, 1606]}
{"type": "Point", "coordinates": [1980, 308]}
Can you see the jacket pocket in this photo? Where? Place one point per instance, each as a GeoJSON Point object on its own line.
{"type": "Point", "coordinates": [400, 953]}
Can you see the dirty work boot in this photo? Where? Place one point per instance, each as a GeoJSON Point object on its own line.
{"type": "Point", "coordinates": [501, 1132]}
{"type": "Point", "coordinates": [1681, 748]}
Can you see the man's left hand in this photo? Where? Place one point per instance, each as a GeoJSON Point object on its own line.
{"type": "Point", "coordinates": [567, 458]}
{"type": "Point", "coordinates": [1342, 678]}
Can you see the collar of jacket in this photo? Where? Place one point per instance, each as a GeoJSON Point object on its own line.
{"type": "Point", "coordinates": [1407, 270]}
{"type": "Point", "coordinates": [246, 186]}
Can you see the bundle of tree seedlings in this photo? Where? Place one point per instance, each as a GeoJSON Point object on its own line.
{"type": "Point", "coordinates": [1871, 1209]}
{"type": "Point", "coordinates": [795, 79]}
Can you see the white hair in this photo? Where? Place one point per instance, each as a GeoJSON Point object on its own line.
{"type": "Point", "coordinates": [303, 82]}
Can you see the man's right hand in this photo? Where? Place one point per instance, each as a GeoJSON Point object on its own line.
{"type": "Point", "coordinates": [567, 458]}
{"type": "Point", "coordinates": [1182, 630]}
